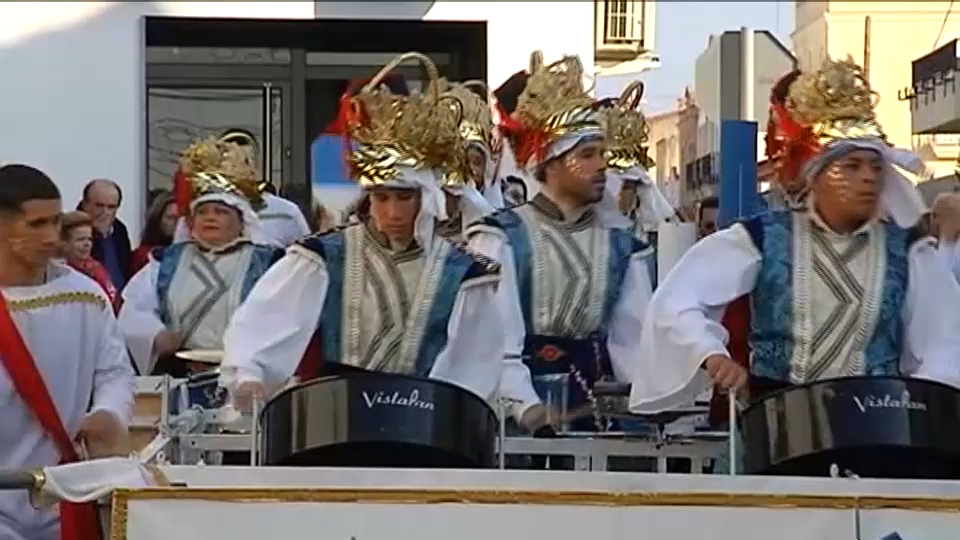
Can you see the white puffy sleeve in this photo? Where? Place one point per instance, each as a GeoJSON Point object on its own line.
{"type": "Point", "coordinates": [682, 325]}
{"type": "Point", "coordinates": [270, 331]}
{"type": "Point", "coordinates": [623, 341]}
{"type": "Point", "coordinates": [472, 357]}
{"type": "Point", "coordinates": [114, 381]}
{"type": "Point", "coordinates": [516, 384]}
{"type": "Point", "coordinates": [139, 318]}
{"type": "Point", "coordinates": [931, 315]}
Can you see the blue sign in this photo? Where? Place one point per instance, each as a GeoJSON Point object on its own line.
{"type": "Point", "coordinates": [738, 171]}
{"type": "Point", "coordinates": [327, 167]}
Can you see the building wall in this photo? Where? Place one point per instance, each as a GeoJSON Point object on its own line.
{"type": "Point", "coordinates": [74, 83]}
{"type": "Point", "coordinates": [900, 33]}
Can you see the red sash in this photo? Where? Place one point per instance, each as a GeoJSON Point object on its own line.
{"type": "Point", "coordinates": [309, 367]}
{"type": "Point", "coordinates": [77, 521]}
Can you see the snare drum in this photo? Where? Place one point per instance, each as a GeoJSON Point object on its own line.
{"type": "Point", "coordinates": [198, 391]}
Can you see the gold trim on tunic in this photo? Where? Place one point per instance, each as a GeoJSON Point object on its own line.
{"type": "Point", "coordinates": [61, 298]}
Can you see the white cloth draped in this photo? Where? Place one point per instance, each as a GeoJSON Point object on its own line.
{"type": "Point", "coordinates": [949, 252]}
{"type": "Point", "coordinates": [88, 481]}
{"type": "Point", "coordinates": [682, 325]}
{"type": "Point", "coordinates": [69, 327]}
{"type": "Point", "coordinates": [270, 332]}
{"type": "Point", "coordinates": [622, 340]}
{"type": "Point", "coordinates": [282, 221]}
{"type": "Point", "coordinates": [139, 317]}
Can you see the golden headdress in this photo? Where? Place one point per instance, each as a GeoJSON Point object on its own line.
{"type": "Point", "coordinates": [834, 102]}
{"type": "Point", "coordinates": [388, 131]}
{"type": "Point", "coordinates": [626, 130]}
{"type": "Point", "coordinates": [477, 124]}
{"type": "Point", "coordinates": [213, 166]}
{"type": "Point", "coordinates": [554, 103]}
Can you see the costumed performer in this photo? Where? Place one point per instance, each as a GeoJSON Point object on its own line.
{"type": "Point", "coordinates": [281, 221]}
{"type": "Point", "coordinates": [66, 375]}
{"type": "Point", "coordinates": [387, 295]}
{"type": "Point", "coordinates": [575, 283]}
{"type": "Point", "coordinates": [835, 291]}
{"type": "Point", "coordinates": [466, 202]}
{"type": "Point", "coordinates": [185, 296]}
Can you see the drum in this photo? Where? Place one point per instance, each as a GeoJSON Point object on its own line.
{"type": "Point", "coordinates": [881, 427]}
{"type": "Point", "coordinates": [378, 420]}
{"type": "Point", "coordinates": [198, 391]}
{"type": "Point", "coordinates": [147, 408]}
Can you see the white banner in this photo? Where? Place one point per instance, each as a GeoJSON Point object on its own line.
{"type": "Point", "coordinates": [465, 515]}
{"type": "Point", "coordinates": [908, 525]}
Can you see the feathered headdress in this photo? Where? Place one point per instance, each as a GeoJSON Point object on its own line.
{"type": "Point", "coordinates": [386, 131]}
{"type": "Point", "coordinates": [212, 166]}
{"type": "Point", "coordinates": [553, 104]}
{"type": "Point", "coordinates": [625, 129]}
{"type": "Point", "coordinates": [813, 109]}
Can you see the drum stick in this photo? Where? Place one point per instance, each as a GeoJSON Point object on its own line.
{"type": "Point", "coordinates": [502, 406]}
{"type": "Point", "coordinates": [732, 420]}
{"type": "Point", "coordinates": [255, 433]}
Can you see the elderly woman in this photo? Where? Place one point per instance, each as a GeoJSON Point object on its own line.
{"type": "Point", "coordinates": [846, 288]}
{"type": "Point", "coordinates": [185, 296]}
{"type": "Point", "coordinates": [76, 232]}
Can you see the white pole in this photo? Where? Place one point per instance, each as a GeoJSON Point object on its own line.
{"type": "Point", "coordinates": [747, 75]}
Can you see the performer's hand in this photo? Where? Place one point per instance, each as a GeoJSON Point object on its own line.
{"type": "Point", "coordinates": [245, 395]}
{"type": "Point", "coordinates": [167, 342]}
{"type": "Point", "coordinates": [725, 372]}
{"type": "Point", "coordinates": [102, 428]}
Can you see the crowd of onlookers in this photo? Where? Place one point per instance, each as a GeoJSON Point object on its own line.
{"type": "Point", "coordinates": [97, 243]}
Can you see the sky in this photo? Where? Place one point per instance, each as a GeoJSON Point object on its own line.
{"type": "Point", "coordinates": [682, 32]}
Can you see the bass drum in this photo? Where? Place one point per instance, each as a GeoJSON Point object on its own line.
{"type": "Point", "coordinates": [378, 420]}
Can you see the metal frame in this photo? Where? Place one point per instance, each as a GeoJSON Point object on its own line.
{"type": "Point", "coordinates": [284, 87]}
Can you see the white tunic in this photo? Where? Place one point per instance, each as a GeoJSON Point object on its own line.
{"type": "Point", "coordinates": [69, 327]}
{"type": "Point", "coordinates": [204, 292]}
{"type": "Point", "coordinates": [271, 330]}
{"type": "Point", "coordinates": [281, 221]}
{"type": "Point", "coordinates": [682, 326]}
{"type": "Point", "coordinates": [568, 255]}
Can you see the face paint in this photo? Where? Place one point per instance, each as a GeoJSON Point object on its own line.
{"type": "Point", "coordinates": [573, 165]}
{"type": "Point", "coordinates": [838, 182]}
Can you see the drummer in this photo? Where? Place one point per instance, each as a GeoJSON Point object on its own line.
{"type": "Point", "coordinates": [188, 291]}
{"type": "Point", "coordinates": [575, 280]}
{"type": "Point", "coordinates": [388, 294]}
{"type": "Point", "coordinates": [466, 196]}
{"type": "Point", "coordinates": [835, 291]}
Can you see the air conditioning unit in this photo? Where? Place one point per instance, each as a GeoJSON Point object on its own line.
{"type": "Point", "coordinates": [624, 29]}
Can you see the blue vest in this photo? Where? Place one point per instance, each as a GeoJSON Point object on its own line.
{"type": "Point", "coordinates": [623, 245]}
{"type": "Point", "coordinates": [459, 267]}
{"type": "Point", "coordinates": [169, 259]}
{"type": "Point", "coordinates": [772, 323]}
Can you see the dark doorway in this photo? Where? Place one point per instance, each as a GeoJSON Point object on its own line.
{"type": "Point", "coordinates": [279, 79]}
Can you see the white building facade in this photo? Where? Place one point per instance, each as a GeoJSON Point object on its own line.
{"type": "Point", "coordinates": [116, 90]}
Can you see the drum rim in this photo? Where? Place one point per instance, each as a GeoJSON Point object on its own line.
{"type": "Point", "coordinates": [808, 385]}
{"type": "Point", "coordinates": [304, 384]}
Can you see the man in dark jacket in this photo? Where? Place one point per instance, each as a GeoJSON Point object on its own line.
{"type": "Point", "coordinates": [111, 242]}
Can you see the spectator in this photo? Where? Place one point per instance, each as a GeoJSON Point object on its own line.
{"type": "Point", "coordinates": [707, 215]}
{"type": "Point", "coordinates": [157, 231]}
{"type": "Point", "coordinates": [111, 242]}
{"type": "Point", "coordinates": [76, 232]}
{"type": "Point", "coordinates": [323, 221]}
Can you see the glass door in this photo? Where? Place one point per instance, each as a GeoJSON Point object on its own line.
{"type": "Point", "coordinates": [179, 112]}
